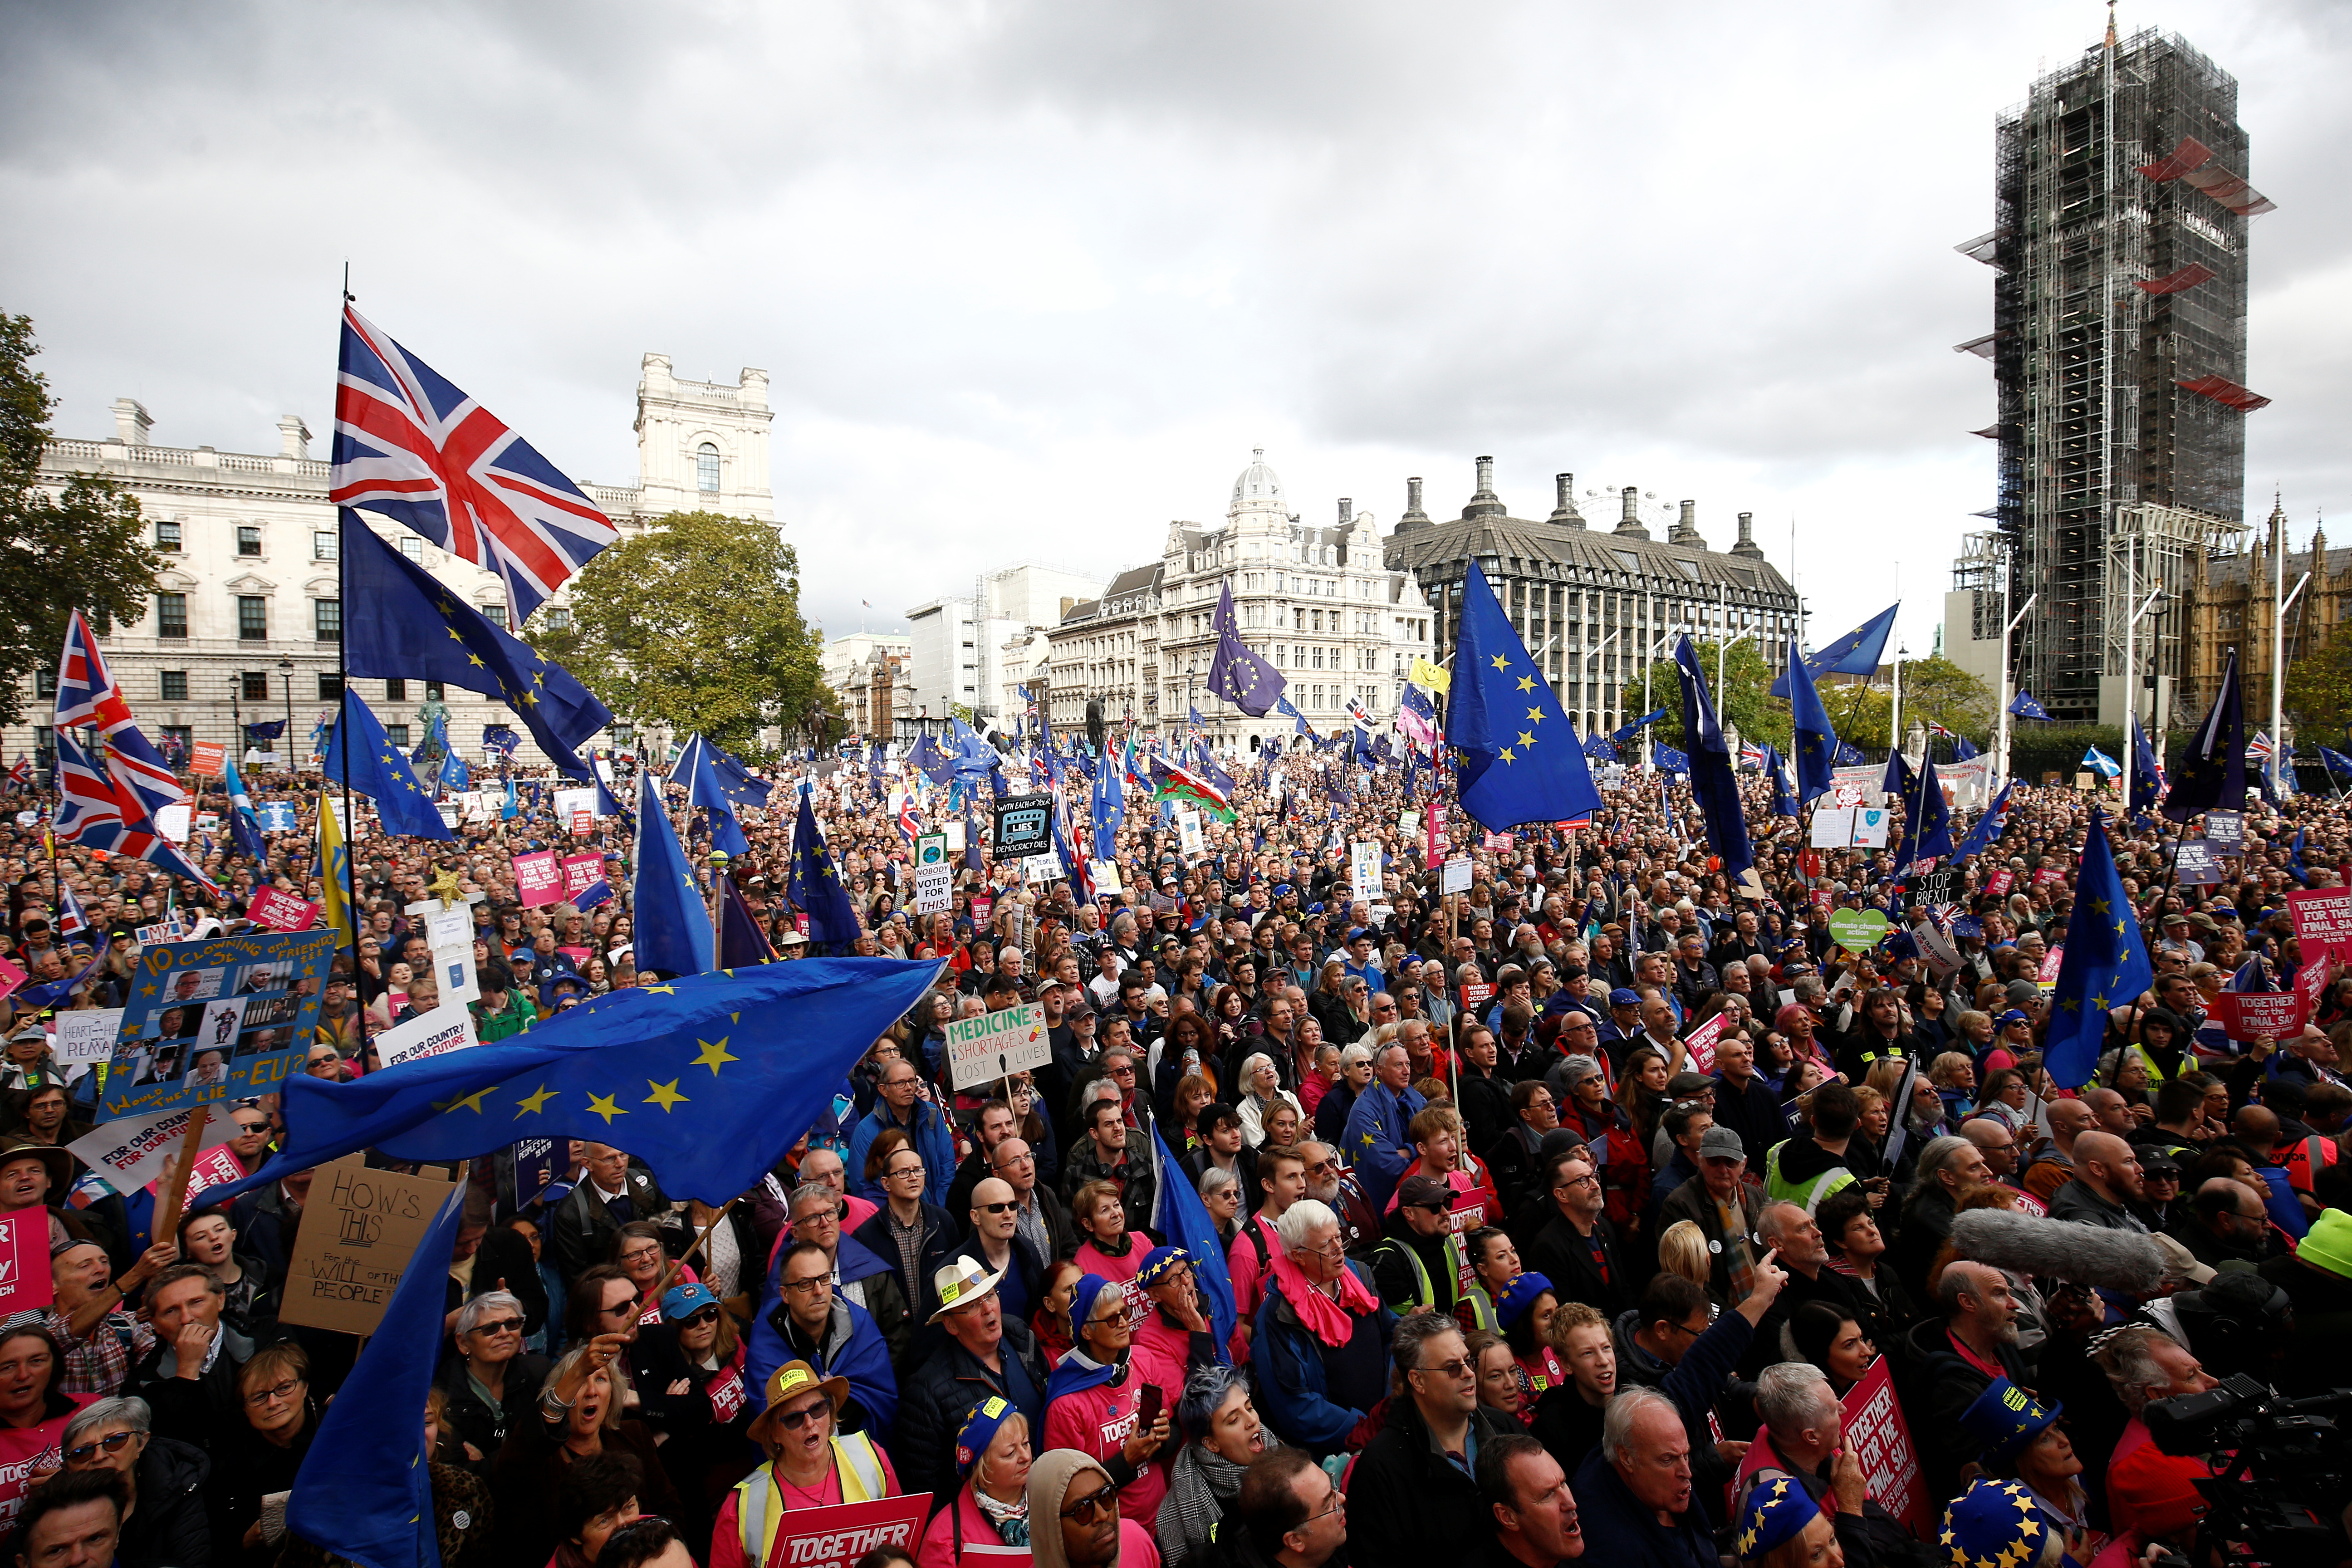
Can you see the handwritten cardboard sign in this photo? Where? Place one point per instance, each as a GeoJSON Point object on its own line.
{"type": "Point", "coordinates": [85, 1036]}
{"type": "Point", "coordinates": [839, 1536]}
{"type": "Point", "coordinates": [360, 1230]}
{"type": "Point", "coordinates": [538, 879]}
{"type": "Point", "coordinates": [1011, 1040]}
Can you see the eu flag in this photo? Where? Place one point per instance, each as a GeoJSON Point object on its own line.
{"type": "Point", "coordinates": [709, 1078]}
{"type": "Point", "coordinates": [400, 623]}
{"type": "Point", "coordinates": [2105, 963]}
{"type": "Point", "coordinates": [1817, 741]}
{"type": "Point", "coordinates": [1927, 818]}
{"type": "Point", "coordinates": [1989, 828]}
{"type": "Point", "coordinates": [1856, 653]}
{"type": "Point", "coordinates": [673, 932]}
{"type": "Point", "coordinates": [1714, 784]}
{"type": "Point", "coordinates": [365, 1491]}
{"type": "Point", "coordinates": [1109, 807]}
{"type": "Point", "coordinates": [1299, 725]}
{"type": "Point", "coordinates": [1235, 674]}
{"type": "Point", "coordinates": [1519, 761]}
{"type": "Point", "coordinates": [2214, 774]}
{"type": "Point", "coordinates": [816, 884]}
{"type": "Point", "coordinates": [742, 942]}
{"type": "Point", "coordinates": [378, 771]}
{"type": "Point", "coordinates": [2023, 706]}
{"type": "Point", "coordinates": [696, 772]}
{"type": "Point", "coordinates": [2147, 778]}
{"type": "Point", "coordinates": [1776, 767]}
{"type": "Point", "coordinates": [1178, 1215]}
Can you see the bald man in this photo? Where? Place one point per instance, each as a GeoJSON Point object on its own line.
{"type": "Point", "coordinates": [1999, 1145]}
{"type": "Point", "coordinates": [2111, 1112]}
{"type": "Point", "coordinates": [2106, 1177]}
{"type": "Point", "coordinates": [2054, 1166]}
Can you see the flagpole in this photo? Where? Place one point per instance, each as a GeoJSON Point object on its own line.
{"type": "Point", "coordinates": [350, 834]}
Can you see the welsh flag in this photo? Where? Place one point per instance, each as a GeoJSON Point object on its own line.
{"type": "Point", "coordinates": [1173, 780]}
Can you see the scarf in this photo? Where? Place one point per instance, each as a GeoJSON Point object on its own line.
{"type": "Point", "coordinates": [1327, 1319]}
{"type": "Point", "coordinates": [1078, 1372]}
{"type": "Point", "coordinates": [1011, 1520]}
{"type": "Point", "coordinates": [1199, 1484]}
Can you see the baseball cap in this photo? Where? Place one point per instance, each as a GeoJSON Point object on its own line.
{"type": "Point", "coordinates": [1623, 997]}
{"type": "Point", "coordinates": [1721, 1143]}
{"type": "Point", "coordinates": [1421, 1192]}
{"type": "Point", "coordinates": [684, 1301]}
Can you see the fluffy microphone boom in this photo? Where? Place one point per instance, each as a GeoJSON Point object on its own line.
{"type": "Point", "coordinates": [2060, 1249]}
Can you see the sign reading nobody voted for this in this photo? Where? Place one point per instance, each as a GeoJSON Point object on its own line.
{"type": "Point", "coordinates": [359, 1232]}
{"type": "Point", "coordinates": [984, 1049]}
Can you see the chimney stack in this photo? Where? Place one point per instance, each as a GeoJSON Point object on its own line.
{"type": "Point", "coordinates": [1629, 521]}
{"type": "Point", "coordinates": [1413, 512]}
{"type": "Point", "coordinates": [1747, 545]}
{"type": "Point", "coordinates": [293, 438]}
{"type": "Point", "coordinates": [1687, 526]}
{"type": "Point", "coordinates": [131, 422]}
{"type": "Point", "coordinates": [1485, 502]}
{"type": "Point", "coordinates": [1564, 512]}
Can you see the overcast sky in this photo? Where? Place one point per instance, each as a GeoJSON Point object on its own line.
{"type": "Point", "coordinates": [1031, 280]}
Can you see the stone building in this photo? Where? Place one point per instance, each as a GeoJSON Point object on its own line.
{"type": "Point", "coordinates": [2232, 597]}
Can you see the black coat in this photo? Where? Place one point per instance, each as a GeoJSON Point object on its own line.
{"type": "Point", "coordinates": [935, 1395]}
{"type": "Point", "coordinates": [469, 1420]}
{"type": "Point", "coordinates": [1566, 1259]}
{"type": "Point", "coordinates": [1409, 1504]}
{"type": "Point", "coordinates": [580, 1232]}
{"type": "Point", "coordinates": [168, 1528]}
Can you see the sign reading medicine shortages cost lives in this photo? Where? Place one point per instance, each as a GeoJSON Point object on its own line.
{"type": "Point", "coordinates": [997, 1044]}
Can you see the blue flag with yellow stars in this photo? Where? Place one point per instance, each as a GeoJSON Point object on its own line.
{"type": "Point", "coordinates": [709, 1078]}
{"type": "Point", "coordinates": [696, 772]}
{"type": "Point", "coordinates": [816, 884]}
{"type": "Point", "coordinates": [2105, 963]}
{"type": "Point", "coordinates": [673, 934]}
{"type": "Point", "coordinates": [400, 623]}
{"type": "Point", "coordinates": [1816, 737]}
{"type": "Point", "coordinates": [1856, 653]}
{"type": "Point", "coordinates": [1713, 784]}
{"type": "Point", "coordinates": [2213, 774]}
{"type": "Point", "coordinates": [1235, 674]}
{"type": "Point", "coordinates": [1520, 761]}
{"type": "Point", "coordinates": [380, 773]}
{"type": "Point", "coordinates": [1928, 819]}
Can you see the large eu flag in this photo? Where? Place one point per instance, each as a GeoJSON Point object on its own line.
{"type": "Point", "coordinates": [1816, 737]}
{"type": "Point", "coordinates": [709, 1078]}
{"type": "Point", "coordinates": [378, 771]}
{"type": "Point", "coordinates": [697, 771]}
{"type": "Point", "coordinates": [1856, 653]}
{"type": "Point", "coordinates": [1243, 678]}
{"type": "Point", "coordinates": [2214, 774]}
{"type": "Point", "coordinates": [816, 884]}
{"type": "Point", "coordinates": [1519, 761]}
{"type": "Point", "coordinates": [2105, 963]}
{"type": "Point", "coordinates": [1714, 782]}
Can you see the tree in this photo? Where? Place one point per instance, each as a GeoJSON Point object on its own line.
{"type": "Point", "coordinates": [695, 624]}
{"type": "Point", "coordinates": [83, 547]}
{"type": "Point", "coordinates": [1858, 711]}
{"type": "Point", "coordinates": [1744, 702]}
{"type": "Point", "coordinates": [2319, 690]}
{"type": "Point", "coordinates": [1935, 688]}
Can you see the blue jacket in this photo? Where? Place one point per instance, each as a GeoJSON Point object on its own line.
{"type": "Point", "coordinates": [764, 1352]}
{"type": "Point", "coordinates": [852, 1348]}
{"type": "Point", "coordinates": [1379, 1125]}
{"type": "Point", "coordinates": [1295, 1393]}
{"type": "Point", "coordinates": [933, 1141]}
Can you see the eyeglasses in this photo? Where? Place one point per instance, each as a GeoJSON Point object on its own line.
{"type": "Point", "coordinates": [996, 1208]}
{"type": "Point", "coordinates": [283, 1391]}
{"type": "Point", "coordinates": [1100, 1502]}
{"type": "Point", "coordinates": [903, 1171]}
{"type": "Point", "coordinates": [111, 1443]}
{"type": "Point", "coordinates": [641, 1254]}
{"type": "Point", "coordinates": [1339, 1501]}
{"type": "Point", "coordinates": [503, 1326]}
{"type": "Point", "coordinates": [1459, 1367]}
{"type": "Point", "coordinates": [794, 1420]}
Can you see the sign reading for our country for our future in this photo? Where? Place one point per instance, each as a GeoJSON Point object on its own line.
{"type": "Point", "coordinates": [996, 1044]}
{"type": "Point", "coordinates": [436, 1033]}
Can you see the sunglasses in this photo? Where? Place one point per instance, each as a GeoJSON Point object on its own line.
{"type": "Point", "coordinates": [997, 1208]}
{"type": "Point", "coordinates": [697, 1319]}
{"type": "Point", "coordinates": [794, 1420]}
{"type": "Point", "coordinates": [503, 1326]}
{"type": "Point", "coordinates": [1096, 1503]}
{"type": "Point", "coordinates": [111, 1443]}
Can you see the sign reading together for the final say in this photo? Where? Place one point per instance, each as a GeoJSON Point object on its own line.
{"type": "Point", "coordinates": [217, 1020]}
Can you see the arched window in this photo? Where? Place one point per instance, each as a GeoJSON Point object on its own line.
{"type": "Point", "coordinates": [706, 468]}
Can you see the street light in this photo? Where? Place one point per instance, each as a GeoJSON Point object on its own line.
{"type": "Point", "coordinates": [285, 671]}
{"type": "Point", "coordinates": [236, 717]}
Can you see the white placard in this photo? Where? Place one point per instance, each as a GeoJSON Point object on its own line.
{"type": "Point", "coordinates": [1870, 827]}
{"type": "Point", "coordinates": [172, 821]}
{"type": "Point", "coordinates": [1039, 870]}
{"type": "Point", "coordinates": [1455, 879]}
{"type": "Point", "coordinates": [446, 1029]}
{"type": "Point", "coordinates": [1188, 833]}
{"type": "Point", "coordinates": [984, 1049]}
{"type": "Point", "coordinates": [131, 1151]}
{"type": "Point", "coordinates": [1364, 870]}
{"type": "Point", "coordinates": [953, 833]}
{"type": "Point", "coordinates": [1832, 826]}
{"type": "Point", "coordinates": [568, 801]}
{"type": "Point", "coordinates": [934, 889]}
{"type": "Point", "coordinates": [85, 1037]}
{"type": "Point", "coordinates": [451, 933]}
{"type": "Point", "coordinates": [476, 806]}
{"type": "Point", "coordinates": [1106, 875]}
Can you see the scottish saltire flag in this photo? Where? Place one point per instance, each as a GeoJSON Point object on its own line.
{"type": "Point", "coordinates": [1243, 678]}
{"type": "Point", "coordinates": [2099, 763]}
{"type": "Point", "coordinates": [673, 933]}
{"type": "Point", "coordinates": [1856, 653]}
{"type": "Point", "coordinates": [243, 826]}
{"type": "Point", "coordinates": [1416, 718]}
{"type": "Point", "coordinates": [1989, 828]}
{"type": "Point", "coordinates": [412, 447]}
{"type": "Point", "coordinates": [368, 762]}
{"type": "Point", "coordinates": [709, 1078]}
{"type": "Point", "coordinates": [695, 772]}
{"type": "Point", "coordinates": [1712, 783]}
{"type": "Point", "coordinates": [2105, 963]}
{"type": "Point", "coordinates": [1518, 760]}
{"type": "Point", "coordinates": [365, 1491]}
{"type": "Point", "coordinates": [2023, 706]}
{"type": "Point", "coordinates": [1177, 1214]}
{"type": "Point", "coordinates": [816, 883]}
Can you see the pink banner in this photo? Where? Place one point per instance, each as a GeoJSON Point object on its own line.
{"type": "Point", "coordinates": [1881, 1443]}
{"type": "Point", "coordinates": [24, 1282]}
{"type": "Point", "coordinates": [839, 1536]}
{"type": "Point", "coordinates": [538, 879]}
{"type": "Point", "coordinates": [2244, 1014]}
{"type": "Point", "coordinates": [274, 909]}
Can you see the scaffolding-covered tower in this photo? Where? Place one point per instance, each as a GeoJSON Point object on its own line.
{"type": "Point", "coordinates": [2118, 346]}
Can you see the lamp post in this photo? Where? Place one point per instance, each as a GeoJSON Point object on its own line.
{"type": "Point", "coordinates": [286, 673]}
{"type": "Point", "coordinates": [236, 718]}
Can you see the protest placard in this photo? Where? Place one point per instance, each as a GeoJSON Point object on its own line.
{"type": "Point", "coordinates": [172, 1049]}
{"type": "Point", "coordinates": [535, 1166]}
{"type": "Point", "coordinates": [1700, 1042]}
{"type": "Point", "coordinates": [839, 1536]}
{"type": "Point", "coordinates": [1845, 796]}
{"type": "Point", "coordinates": [2244, 1014]}
{"type": "Point", "coordinates": [206, 758]}
{"type": "Point", "coordinates": [1936, 947]}
{"type": "Point", "coordinates": [2197, 863]}
{"type": "Point", "coordinates": [26, 1283]}
{"type": "Point", "coordinates": [450, 934]}
{"type": "Point", "coordinates": [2000, 882]}
{"type": "Point", "coordinates": [1880, 1440]}
{"type": "Point", "coordinates": [934, 889]}
{"type": "Point", "coordinates": [574, 803]}
{"type": "Point", "coordinates": [1832, 826]}
{"type": "Point", "coordinates": [1039, 870]}
{"type": "Point", "coordinates": [274, 909]}
{"type": "Point", "coordinates": [1475, 995]}
{"type": "Point", "coordinates": [2046, 976]}
{"type": "Point", "coordinates": [582, 875]}
{"type": "Point", "coordinates": [1870, 826]}
{"type": "Point", "coordinates": [1496, 841]}
{"type": "Point", "coordinates": [982, 906]}
{"type": "Point", "coordinates": [11, 976]}
{"type": "Point", "coordinates": [1025, 825]}
{"type": "Point", "coordinates": [1188, 833]}
{"type": "Point", "coordinates": [161, 933]}
{"type": "Point", "coordinates": [359, 1229]}
{"type": "Point", "coordinates": [474, 805]}
{"type": "Point", "coordinates": [1364, 870]}
{"type": "Point", "coordinates": [2227, 828]}
{"type": "Point", "coordinates": [130, 1153]}
{"type": "Point", "coordinates": [584, 823]}
{"type": "Point", "coordinates": [996, 1044]}
{"type": "Point", "coordinates": [1106, 875]}
{"type": "Point", "coordinates": [538, 879]}
{"type": "Point", "coordinates": [2322, 921]}
{"type": "Point", "coordinates": [85, 1037]}
{"type": "Point", "coordinates": [213, 1166]}
{"type": "Point", "coordinates": [930, 849]}
{"type": "Point", "coordinates": [1456, 878]}
{"type": "Point", "coordinates": [446, 1029]}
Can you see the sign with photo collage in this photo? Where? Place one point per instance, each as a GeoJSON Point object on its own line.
{"type": "Point", "coordinates": [217, 1020]}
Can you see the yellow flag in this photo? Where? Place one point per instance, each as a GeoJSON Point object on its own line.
{"type": "Point", "coordinates": [333, 871]}
{"type": "Point", "coordinates": [1428, 677]}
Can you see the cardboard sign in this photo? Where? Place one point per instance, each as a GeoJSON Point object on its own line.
{"type": "Point", "coordinates": [1025, 825]}
{"type": "Point", "coordinates": [2242, 1014]}
{"type": "Point", "coordinates": [131, 1154]}
{"type": "Point", "coordinates": [934, 889]}
{"type": "Point", "coordinates": [24, 1281]}
{"type": "Point", "coordinates": [1701, 1042]}
{"type": "Point", "coordinates": [274, 909]}
{"type": "Point", "coordinates": [1456, 878]}
{"type": "Point", "coordinates": [171, 1050]}
{"type": "Point", "coordinates": [538, 879]}
{"type": "Point", "coordinates": [1941, 956]}
{"type": "Point", "coordinates": [996, 1044]}
{"type": "Point", "coordinates": [1880, 1440]}
{"type": "Point", "coordinates": [445, 1029]}
{"type": "Point", "coordinates": [207, 759]}
{"type": "Point", "coordinates": [359, 1229]}
{"type": "Point", "coordinates": [277, 817]}
{"type": "Point", "coordinates": [2198, 863]}
{"type": "Point", "coordinates": [839, 1536]}
{"type": "Point", "coordinates": [2322, 921]}
{"type": "Point", "coordinates": [86, 1037]}
{"type": "Point", "coordinates": [1364, 870]}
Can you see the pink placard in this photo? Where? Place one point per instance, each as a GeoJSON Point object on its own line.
{"type": "Point", "coordinates": [1880, 1440]}
{"type": "Point", "coordinates": [206, 759]}
{"type": "Point", "coordinates": [839, 1536]}
{"type": "Point", "coordinates": [24, 1282]}
{"type": "Point", "coordinates": [1701, 1042]}
{"type": "Point", "coordinates": [2001, 881]}
{"type": "Point", "coordinates": [274, 909]}
{"type": "Point", "coordinates": [584, 823]}
{"type": "Point", "coordinates": [213, 1165]}
{"type": "Point", "coordinates": [538, 879]}
{"type": "Point", "coordinates": [2322, 921]}
{"type": "Point", "coordinates": [10, 977]}
{"type": "Point", "coordinates": [581, 872]}
{"type": "Point", "coordinates": [2242, 1014]}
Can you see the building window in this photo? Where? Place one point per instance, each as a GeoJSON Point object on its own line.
{"type": "Point", "coordinates": [171, 614]}
{"type": "Point", "coordinates": [45, 683]}
{"type": "Point", "coordinates": [431, 692]}
{"type": "Point", "coordinates": [397, 734]}
{"type": "Point", "coordinates": [331, 686]}
{"type": "Point", "coordinates": [327, 619]}
{"type": "Point", "coordinates": [248, 538]}
{"type": "Point", "coordinates": [254, 685]}
{"type": "Point", "coordinates": [496, 614]}
{"type": "Point", "coordinates": [177, 739]}
{"type": "Point", "coordinates": [176, 686]}
{"type": "Point", "coordinates": [252, 618]}
{"type": "Point", "coordinates": [324, 546]}
{"type": "Point", "coordinates": [395, 691]}
{"type": "Point", "coordinates": [559, 618]}
{"type": "Point", "coordinates": [167, 535]}
{"type": "Point", "coordinates": [45, 739]}
{"type": "Point", "coordinates": [706, 468]}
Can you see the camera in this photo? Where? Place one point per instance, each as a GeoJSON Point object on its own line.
{"type": "Point", "coordinates": [2279, 1497]}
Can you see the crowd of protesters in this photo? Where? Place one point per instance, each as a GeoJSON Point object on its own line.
{"type": "Point", "coordinates": [1574, 1212]}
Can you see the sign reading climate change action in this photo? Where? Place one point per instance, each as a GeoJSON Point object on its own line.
{"type": "Point", "coordinates": [997, 1044]}
{"type": "Point", "coordinates": [217, 1020]}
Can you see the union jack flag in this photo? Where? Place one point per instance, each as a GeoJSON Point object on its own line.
{"type": "Point", "coordinates": [2258, 750]}
{"type": "Point", "coordinates": [21, 775]}
{"type": "Point", "coordinates": [910, 824]}
{"type": "Point", "coordinates": [88, 695]}
{"type": "Point", "coordinates": [99, 812]}
{"type": "Point", "coordinates": [1751, 755]}
{"type": "Point", "coordinates": [1938, 730]}
{"type": "Point", "coordinates": [412, 447]}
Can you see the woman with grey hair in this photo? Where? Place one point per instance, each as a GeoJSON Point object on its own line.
{"type": "Point", "coordinates": [1223, 1436]}
{"type": "Point", "coordinates": [1221, 1194]}
{"type": "Point", "coordinates": [491, 1381]}
{"type": "Point", "coordinates": [1261, 1091]}
{"type": "Point", "coordinates": [1355, 1077]}
{"type": "Point", "coordinates": [164, 1523]}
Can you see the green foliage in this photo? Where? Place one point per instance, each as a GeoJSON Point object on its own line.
{"type": "Point", "coordinates": [84, 547]}
{"type": "Point", "coordinates": [1743, 703]}
{"type": "Point", "coordinates": [695, 624]}
{"type": "Point", "coordinates": [2036, 748]}
{"type": "Point", "coordinates": [1936, 689]}
{"type": "Point", "coordinates": [1859, 712]}
{"type": "Point", "coordinates": [2317, 694]}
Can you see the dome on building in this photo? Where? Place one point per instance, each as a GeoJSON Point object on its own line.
{"type": "Point", "coordinates": [1259, 486]}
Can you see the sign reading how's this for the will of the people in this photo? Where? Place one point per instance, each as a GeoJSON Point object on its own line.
{"type": "Point", "coordinates": [360, 1231]}
{"type": "Point", "coordinates": [997, 1044]}
{"type": "Point", "coordinates": [217, 1020]}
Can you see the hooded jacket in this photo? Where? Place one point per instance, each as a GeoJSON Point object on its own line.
{"type": "Point", "coordinates": [886, 1305]}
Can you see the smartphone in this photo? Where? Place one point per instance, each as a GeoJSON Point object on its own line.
{"type": "Point", "coordinates": [1147, 1408]}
